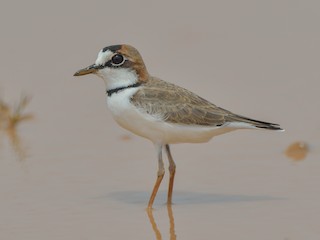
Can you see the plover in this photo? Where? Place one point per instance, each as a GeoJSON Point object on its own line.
{"type": "Point", "coordinates": [158, 110]}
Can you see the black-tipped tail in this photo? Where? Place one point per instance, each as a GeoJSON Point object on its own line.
{"type": "Point", "coordinates": [270, 126]}
{"type": "Point", "coordinates": [264, 125]}
{"type": "Point", "coordinates": [257, 123]}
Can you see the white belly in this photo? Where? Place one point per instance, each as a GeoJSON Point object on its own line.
{"type": "Point", "coordinates": [153, 128]}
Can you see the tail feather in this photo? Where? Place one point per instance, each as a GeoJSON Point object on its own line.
{"type": "Point", "coordinates": [256, 123]}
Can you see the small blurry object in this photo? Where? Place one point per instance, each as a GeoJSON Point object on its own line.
{"type": "Point", "coordinates": [297, 151]}
{"type": "Point", "coordinates": [10, 117]}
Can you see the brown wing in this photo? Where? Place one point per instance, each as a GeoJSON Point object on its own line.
{"type": "Point", "coordinates": [177, 105]}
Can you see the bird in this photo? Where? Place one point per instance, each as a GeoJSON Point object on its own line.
{"type": "Point", "coordinates": [158, 110]}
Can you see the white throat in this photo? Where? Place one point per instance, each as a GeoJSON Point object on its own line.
{"type": "Point", "coordinates": [117, 77]}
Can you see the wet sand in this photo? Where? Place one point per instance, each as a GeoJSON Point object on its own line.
{"type": "Point", "coordinates": [77, 175]}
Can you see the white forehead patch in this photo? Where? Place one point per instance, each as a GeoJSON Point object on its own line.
{"type": "Point", "coordinates": [103, 57]}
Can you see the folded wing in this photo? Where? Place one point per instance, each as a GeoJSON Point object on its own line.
{"type": "Point", "coordinates": [174, 104]}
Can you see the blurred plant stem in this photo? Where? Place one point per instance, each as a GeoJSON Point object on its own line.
{"type": "Point", "coordinates": [10, 118]}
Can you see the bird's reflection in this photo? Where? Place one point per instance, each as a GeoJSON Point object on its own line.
{"type": "Point", "coordinates": [155, 228]}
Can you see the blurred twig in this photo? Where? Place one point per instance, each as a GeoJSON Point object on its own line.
{"type": "Point", "coordinates": [16, 114]}
{"type": "Point", "coordinates": [10, 118]}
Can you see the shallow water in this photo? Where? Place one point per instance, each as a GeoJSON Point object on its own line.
{"type": "Point", "coordinates": [72, 173]}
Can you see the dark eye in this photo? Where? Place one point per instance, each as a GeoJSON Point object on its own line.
{"type": "Point", "coordinates": [117, 59]}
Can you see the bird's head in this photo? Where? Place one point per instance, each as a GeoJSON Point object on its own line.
{"type": "Point", "coordinates": [118, 65]}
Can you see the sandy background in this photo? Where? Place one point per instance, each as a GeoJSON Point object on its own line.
{"type": "Point", "coordinates": [83, 177]}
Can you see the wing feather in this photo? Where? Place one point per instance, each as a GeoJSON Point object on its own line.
{"type": "Point", "coordinates": [175, 104]}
